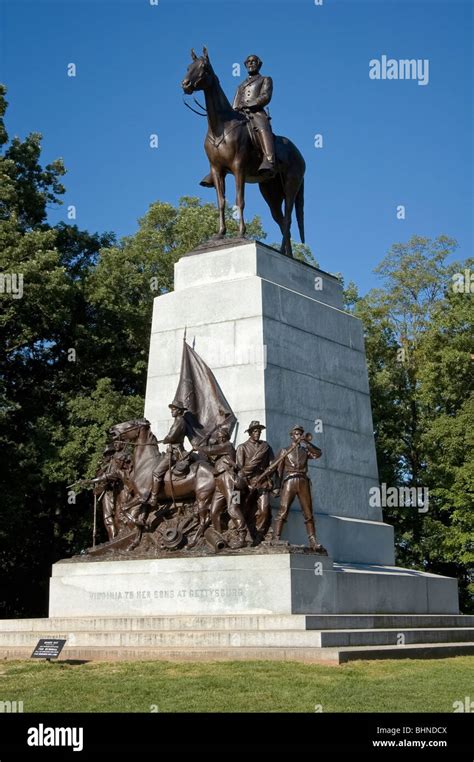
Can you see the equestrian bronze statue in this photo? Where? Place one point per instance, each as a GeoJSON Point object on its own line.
{"type": "Point", "coordinates": [240, 142]}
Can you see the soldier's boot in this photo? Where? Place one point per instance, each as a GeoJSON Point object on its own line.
{"type": "Point", "coordinates": [155, 490]}
{"type": "Point", "coordinates": [313, 543]}
{"type": "Point", "coordinates": [277, 530]}
{"type": "Point", "coordinates": [241, 539]}
{"type": "Point", "coordinates": [208, 181]}
{"type": "Point", "coordinates": [267, 168]}
{"type": "Point", "coordinates": [216, 523]}
{"type": "Point", "coordinates": [255, 537]}
{"type": "Point", "coordinates": [110, 527]}
{"type": "Point", "coordinates": [261, 532]}
{"type": "Point", "coordinates": [204, 518]}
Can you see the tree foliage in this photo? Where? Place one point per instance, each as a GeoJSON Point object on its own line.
{"type": "Point", "coordinates": [419, 347]}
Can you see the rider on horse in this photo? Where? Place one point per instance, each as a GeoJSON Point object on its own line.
{"type": "Point", "coordinates": [177, 457]}
{"type": "Point", "coordinates": [250, 99]}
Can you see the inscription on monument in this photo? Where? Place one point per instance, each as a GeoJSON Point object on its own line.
{"type": "Point", "coordinates": [206, 592]}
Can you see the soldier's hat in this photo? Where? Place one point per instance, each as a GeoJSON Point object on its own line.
{"type": "Point", "coordinates": [178, 403]}
{"type": "Point", "coordinates": [297, 428]}
{"type": "Point", "coordinates": [252, 55]}
{"type": "Point", "coordinates": [223, 430]}
{"type": "Point", "coordinates": [255, 425]}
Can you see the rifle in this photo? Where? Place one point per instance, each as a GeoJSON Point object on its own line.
{"type": "Point", "coordinates": [273, 466]}
{"type": "Point", "coordinates": [206, 437]}
{"type": "Point", "coordinates": [82, 482]}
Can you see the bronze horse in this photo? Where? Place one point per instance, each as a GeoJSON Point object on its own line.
{"type": "Point", "coordinates": [230, 149]}
{"type": "Point", "coordinates": [198, 483]}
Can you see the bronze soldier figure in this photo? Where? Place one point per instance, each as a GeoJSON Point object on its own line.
{"type": "Point", "coordinates": [251, 97]}
{"type": "Point", "coordinates": [253, 458]}
{"type": "Point", "coordinates": [112, 484]}
{"type": "Point", "coordinates": [105, 491]}
{"type": "Point", "coordinates": [223, 457]}
{"type": "Point", "coordinates": [294, 482]}
{"type": "Point", "coordinates": [177, 456]}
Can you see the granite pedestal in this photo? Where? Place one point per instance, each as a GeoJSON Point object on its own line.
{"type": "Point", "coordinates": [248, 583]}
{"type": "Point", "coordinates": [284, 351]}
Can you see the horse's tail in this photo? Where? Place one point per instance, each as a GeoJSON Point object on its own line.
{"type": "Point", "coordinates": [299, 208]}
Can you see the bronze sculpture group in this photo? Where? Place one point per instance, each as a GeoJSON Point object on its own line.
{"type": "Point", "coordinates": [239, 141]}
{"type": "Point", "coordinates": [213, 493]}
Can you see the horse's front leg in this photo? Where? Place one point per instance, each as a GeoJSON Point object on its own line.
{"type": "Point", "coordinates": [239, 175]}
{"type": "Point", "coordinates": [219, 184]}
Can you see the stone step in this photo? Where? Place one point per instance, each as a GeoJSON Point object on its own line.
{"type": "Point", "coordinates": [172, 638]}
{"type": "Point", "coordinates": [327, 655]}
{"type": "Point", "coordinates": [155, 623]}
{"type": "Point", "coordinates": [388, 637]}
{"type": "Point", "coordinates": [242, 638]}
{"type": "Point", "coordinates": [420, 651]}
{"type": "Point", "coordinates": [97, 653]}
{"type": "Point", "coordinates": [385, 621]}
{"type": "Point", "coordinates": [241, 622]}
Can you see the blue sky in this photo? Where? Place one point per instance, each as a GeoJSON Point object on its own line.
{"type": "Point", "coordinates": [386, 142]}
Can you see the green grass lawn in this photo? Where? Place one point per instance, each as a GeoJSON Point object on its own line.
{"type": "Point", "coordinates": [406, 685]}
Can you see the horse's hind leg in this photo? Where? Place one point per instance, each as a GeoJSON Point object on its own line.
{"type": "Point", "coordinates": [291, 189]}
{"type": "Point", "coordinates": [272, 192]}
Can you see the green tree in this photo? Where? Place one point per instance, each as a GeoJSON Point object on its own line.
{"type": "Point", "coordinates": [418, 341]}
{"type": "Point", "coordinates": [37, 329]}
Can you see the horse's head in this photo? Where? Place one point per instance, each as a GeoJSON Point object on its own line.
{"type": "Point", "coordinates": [198, 74]}
{"type": "Point", "coordinates": [129, 430]}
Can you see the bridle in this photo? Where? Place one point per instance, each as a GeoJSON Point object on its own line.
{"type": "Point", "coordinates": [118, 437]}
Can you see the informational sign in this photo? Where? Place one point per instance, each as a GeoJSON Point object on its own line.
{"type": "Point", "coordinates": [48, 648]}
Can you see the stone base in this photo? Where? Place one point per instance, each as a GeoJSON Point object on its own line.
{"type": "Point", "coordinates": [286, 582]}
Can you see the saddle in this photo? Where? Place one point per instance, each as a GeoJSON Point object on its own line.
{"type": "Point", "coordinates": [181, 468]}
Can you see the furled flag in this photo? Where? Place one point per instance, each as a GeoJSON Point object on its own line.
{"type": "Point", "coordinates": [206, 406]}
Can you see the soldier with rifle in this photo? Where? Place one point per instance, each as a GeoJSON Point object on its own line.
{"type": "Point", "coordinates": [253, 458]}
{"type": "Point", "coordinates": [112, 483]}
{"type": "Point", "coordinates": [291, 466]}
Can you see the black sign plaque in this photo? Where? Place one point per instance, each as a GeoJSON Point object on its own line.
{"type": "Point", "coordinates": [48, 648]}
